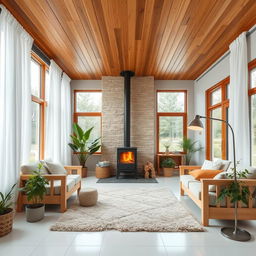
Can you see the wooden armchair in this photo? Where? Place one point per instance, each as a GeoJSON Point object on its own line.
{"type": "Point", "coordinates": [219, 210]}
{"type": "Point", "coordinates": [51, 197]}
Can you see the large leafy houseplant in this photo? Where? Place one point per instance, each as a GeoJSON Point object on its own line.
{"type": "Point", "coordinates": [6, 212]}
{"type": "Point", "coordinates": [35, 189]}
{"type": "Point", "coordinates": [81, 144]}
{"type": "Point", "coordinates": [190, 147]}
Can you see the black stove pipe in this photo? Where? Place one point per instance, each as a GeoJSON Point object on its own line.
{"type": "Point", "coordinates": [127, 74]}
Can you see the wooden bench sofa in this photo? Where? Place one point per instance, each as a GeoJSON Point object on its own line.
{"type": "Point", "coordinates": [60, 188]}
{"type": "Point", "coordinates": [199, 192]}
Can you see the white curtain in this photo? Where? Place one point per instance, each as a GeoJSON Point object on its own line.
{"type": "Point", "coordinates": [65, 126]}
{"type": "Point", "coordinates": [58, 117]}
{"type": "Point", "coordinates": [239, 106]}
{"type": "Point", "coordinates": [53, 118]}
{"type": "Point", "coordinates": [15, 98]}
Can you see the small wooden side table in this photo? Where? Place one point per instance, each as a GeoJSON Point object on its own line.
{"type": "Point", "coordinates": [179, 159]}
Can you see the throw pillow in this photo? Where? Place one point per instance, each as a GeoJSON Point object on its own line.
{"type": "Point", "coordinates": [29, 169]}
{"type": "Point", "coordinates": [211, 165]}
{"type": "Point", "coordinates": [55, 168]}
{"type": "Point", "coordinates": [224, 163]}
{"type": "Point", "coordinates": [204, 174]}
{"type": "Point", "coordinates": [219, 176]}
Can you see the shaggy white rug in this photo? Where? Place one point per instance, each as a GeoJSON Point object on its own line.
{"type": "Point", "coordinates": [146, 209]}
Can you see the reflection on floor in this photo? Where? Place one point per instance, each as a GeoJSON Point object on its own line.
{"type": "Point", "coordinates": [36, 239]}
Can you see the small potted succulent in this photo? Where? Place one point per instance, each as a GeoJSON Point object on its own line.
{"type": "Point", "coordinates": [6, 212]}
{"type": "Point", "coordinates": [35, 189]}
{"type": "Point", "coordinates": [168, 165]}
{"type": "Point", "coordinates": [167, 146]}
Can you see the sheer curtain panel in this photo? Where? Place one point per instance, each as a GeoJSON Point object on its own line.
{"type": "Point", "coordinates": [53, 115]}
{"type": "Point", "coordinates": [15, 98]}
{"type": "Point", "coordinates": [239, 106]}
{"type": "Point", "coordinates": [65, 120]}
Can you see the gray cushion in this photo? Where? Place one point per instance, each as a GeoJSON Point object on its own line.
{"type": "Point", "coordinates": [57, 185]}
{"type": "Point", "coordinates": [252, 172]}
{"type": "Point", "coordinates": [55, 168]}
{"type": "Point", "coordinates": [211, 165]}
{"type": "Point", "coordinates": [31, 168]}
{"type": "Point", "coordinates": [219, 176]}
{"type": "Point", "coordinates": [224, 164]}
{"type": "Point", "coordinates": [76, 177]}
{"type": "Point", "coordinates": [186, 179]}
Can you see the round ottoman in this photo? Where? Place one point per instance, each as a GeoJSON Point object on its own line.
{"type": "Point", "coordinates": [88, 196]}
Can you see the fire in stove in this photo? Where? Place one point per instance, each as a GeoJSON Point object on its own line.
{"type": "Point", "coordinates": [127, 157]}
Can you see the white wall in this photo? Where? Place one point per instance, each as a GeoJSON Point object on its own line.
{"type": "Point", "coordinates": [85, 85]}
{"type": "Point", "coordinates": [215, 75]}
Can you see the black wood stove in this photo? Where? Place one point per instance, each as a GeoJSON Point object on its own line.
{"type": "Point", "coordinates": [127, 155]}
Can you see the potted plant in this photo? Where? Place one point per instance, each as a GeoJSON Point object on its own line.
{"type": "Point", "coordinates": [6, 212]}
{"type": "Point", "coordinates": [168, 165]}
{"type": "Point", "coordinates": [167, 146]}
{"type": "Point", "coordinates": [190, 148]}
{"type": "Point", "coordinates": [82, 146]}
{"type": "Point", "coordinates": [35, 189]}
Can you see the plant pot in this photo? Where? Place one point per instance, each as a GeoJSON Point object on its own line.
{"type": "Point", "coordinates": [34, 213]}
{"type": "Point", "coordinates": [6, 221]}
{"type": "Point", "coordinates": [84, 172]}
{"type": "Point", "coordinates": [168, 172]}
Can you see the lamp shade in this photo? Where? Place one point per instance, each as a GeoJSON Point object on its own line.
{"type": "Point", "coordinates": [196, 124]}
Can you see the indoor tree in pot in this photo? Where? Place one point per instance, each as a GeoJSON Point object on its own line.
{"type": "Point", "coordinates": [168, 165]}
{"type": "Point", "coordinates": [35, 189]}
{"type": "Point", "coordinates": [82, 146]}
{"type": "Point", "coordinates": [190, 147]}
{"type": "Point", "coordinates": [6, 212]}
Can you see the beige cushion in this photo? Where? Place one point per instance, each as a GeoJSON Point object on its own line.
{"type": "Point", "coordinates": [55, 168]}
{"type": "Point", "coordinates": [220, 176]}
{"type": "Point", "coordinates": [211, 165]}
{"type": "Point", "coordinates": [224, 163]}
{"type": "Point", "coordinates": [186, 179]}
{"type": "Point", "coordinates": [57, 186]}
{"type": "Point", "coordinates": [252, 173]}
{"type": "Point", "coordinates": [88, 196]}
{"type": "Point", "coordinates": [31, 168]}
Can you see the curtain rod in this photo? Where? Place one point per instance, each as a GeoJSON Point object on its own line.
{"type": "Point", "coordinates": [41, 54]}
{"type": "Point", "coordinates": [248, 33]}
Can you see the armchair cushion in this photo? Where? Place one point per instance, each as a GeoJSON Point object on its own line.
{"type": "Point", "coordinates": [57, 186]}
{"type": "Point", "coordinates": [31, 168]}
{"type": "Point", "coordinates": [186, 179]}
{"type": "Point", "coordinates": [55, 168]}
{"type": "Point", "coordinates": [204, 174]}
{"type": "Point", "coordinates": [224, 164]}
{"type": "Point", "coordinates": [211, 165]}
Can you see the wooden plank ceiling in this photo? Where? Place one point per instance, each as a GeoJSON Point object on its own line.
{"type": "Point", "coordinates": [168, 39]}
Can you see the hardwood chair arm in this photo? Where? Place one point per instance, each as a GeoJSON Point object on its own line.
{"type": "Point", "coordinates": [77, 168]}
{"type": "Point", "coordinates": [185, 168]}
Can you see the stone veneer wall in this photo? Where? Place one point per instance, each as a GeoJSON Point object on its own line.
{"type": "Point", "coordinates": [142, 118]}
{"type": "Point", "coordinates": [112, 117]}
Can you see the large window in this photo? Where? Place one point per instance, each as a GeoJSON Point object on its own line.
{"type": "Point", "coordinates": [252, 94]}
{"type": "Point", "coordinates": [217, 104]}
{"type": "Point", "coordinates": [39, 80]}
{"type": "Point", "coordinates": [171, 119]}
{"type": "Point", "coordinates": [87, 111]}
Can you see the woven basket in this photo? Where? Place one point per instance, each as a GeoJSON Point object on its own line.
{"type": "Point", "coordinates": [6, 221]}
{"type": "Point", "coordinates": [102, 172]}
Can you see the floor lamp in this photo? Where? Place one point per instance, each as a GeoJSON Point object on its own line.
{"type": "Point", "coordinates": [233, 233]}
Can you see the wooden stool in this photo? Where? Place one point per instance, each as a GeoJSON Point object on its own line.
{"type": "Point", "coordinates": [88, 196]}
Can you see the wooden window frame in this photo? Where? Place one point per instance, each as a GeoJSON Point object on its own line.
{"type": "Point", "coordinates": [181, 114]}
{"type": "Point", "coordinates": [251, 91]}
{"type": "Point", "coordinates": [77, 114]}
{"type": "Point", "coordinates": [42, 102]}
{"type": "Point", "coordinates": [224, 105]}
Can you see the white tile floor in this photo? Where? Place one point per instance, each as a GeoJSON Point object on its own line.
{"type": "Point", "coordinates": [35, 239]}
